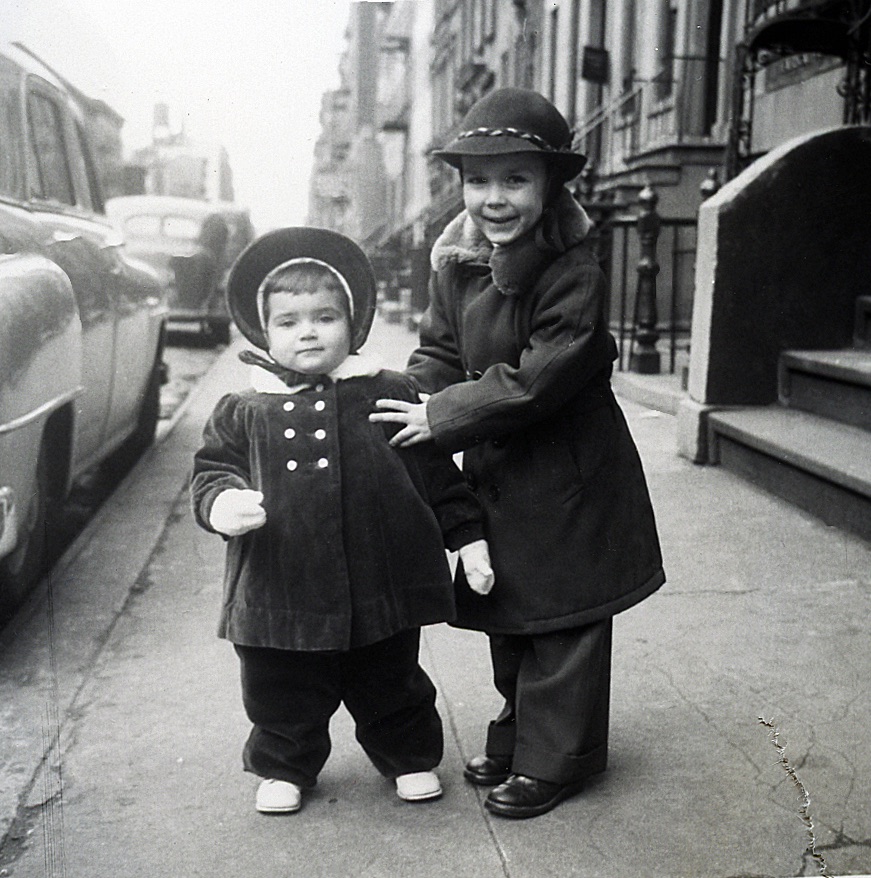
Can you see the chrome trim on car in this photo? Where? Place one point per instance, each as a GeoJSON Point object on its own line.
{"type": "Point", "coordinates": [45, 409]}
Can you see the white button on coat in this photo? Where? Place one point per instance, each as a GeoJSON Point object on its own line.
{"type": "Point", "coordinates": [320, 405]}
{"type": "Point", "coordinates": [292, 465]}
{"type": "Point", "coordinates": [289, 433]}
{"type": "Point", "coordinates": [323, 463]}
{"type": "Point", "coordinates": [289, 405]}
{"type": "Point", "coordinates": [320, 434]}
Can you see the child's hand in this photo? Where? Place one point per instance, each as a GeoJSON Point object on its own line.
{"type": "Point", "coordinates": [476, 563]}
{"type": "Point", "coordinates": [235, 512]}
{"type": "Point", "coordinates": [411, 415]}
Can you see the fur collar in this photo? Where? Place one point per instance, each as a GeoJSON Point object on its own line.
{"type": "Point", "coordinates": [562, 226]}
{"type": "Point", "coordinates": [355, 366]}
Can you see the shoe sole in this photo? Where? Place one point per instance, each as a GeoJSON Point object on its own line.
{"type": "Point", "coordinates": [485, 780]}
{"type": "Point", "coordinates": [281, 810]}
{"type": "Point", "coordinates": [520, 812]}
{"type": "Point", "coordinates": [426, 797]}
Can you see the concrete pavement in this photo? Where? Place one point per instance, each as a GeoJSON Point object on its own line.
{"type": "Point", "coordinates": [121, 720]}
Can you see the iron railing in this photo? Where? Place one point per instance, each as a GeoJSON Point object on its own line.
{"type": "Point", "coordinates": [676, 253]}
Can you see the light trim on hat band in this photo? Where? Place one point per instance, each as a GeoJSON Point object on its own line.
{"type": "Point", "coordinates": [540, 142]}
{"type": "Point", "coordinates": [301, 260]}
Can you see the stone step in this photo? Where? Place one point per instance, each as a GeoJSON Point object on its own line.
{"type": "Point", "coordinates": [820, 465]}
{"type": "Point", "coordinates": [835, 384]}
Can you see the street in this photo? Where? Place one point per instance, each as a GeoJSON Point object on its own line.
{"type": "Point", "coordinates": [122, 721]}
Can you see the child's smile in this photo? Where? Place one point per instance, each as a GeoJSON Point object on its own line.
{"type": "Point", "coordinates": [504, 194]}
{"type": "Point", "coordinates": [308, 332]}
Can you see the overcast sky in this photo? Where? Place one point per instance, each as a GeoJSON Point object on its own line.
{"type": "Point", "coordinates": [249, 74]}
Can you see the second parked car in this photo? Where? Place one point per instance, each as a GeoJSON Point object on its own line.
{"type": "Point", "coordinates": [192, 244]}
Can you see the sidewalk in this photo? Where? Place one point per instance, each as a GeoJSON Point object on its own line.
{"type": "Point", "coordinates": [116, 677]}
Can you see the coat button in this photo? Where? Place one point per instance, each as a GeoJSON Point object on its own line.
{"type": "Point", "coordinates": [320, 405]}
{"type": "Point", "coordinates": [291, 465]}
{"type": "Point", "coordinates": [289, 405]}
{"type": "Point", "coordinates": [319, 388]}
{"type": "Point", "coordinates": [320, 434]}
{"type": "Point", "coordinates": [323, 463]}
{"type": "Point", "coordinates": [493, 493]}
{"type": "Point", "coordinates": [289, 433]}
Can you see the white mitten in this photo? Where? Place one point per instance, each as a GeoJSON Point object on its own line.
{"type": "Point", "coordinates": [235, 512]}
{"type": "Point", "coordinates": [476, 563]}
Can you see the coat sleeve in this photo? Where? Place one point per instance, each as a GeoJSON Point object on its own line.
{"type": "Point", "coordinates": [568, 345]}
{"type": "Point", "coordinates": [222, 462]}
{"type": "Point", "coordinates": [436, 363]}
{"type": "Point", "coordinates": [456, 508]}
{"type": "Point", "coordinates": [438, 478]}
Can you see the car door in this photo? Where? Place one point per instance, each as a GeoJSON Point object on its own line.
{"type": "Point", "coordinates": [74, 242]}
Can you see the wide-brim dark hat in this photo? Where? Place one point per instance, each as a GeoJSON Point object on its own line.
{"type": "Point", "coordinates": [511, 120]}
{"type": "Point", "coordinates": [282, 245]}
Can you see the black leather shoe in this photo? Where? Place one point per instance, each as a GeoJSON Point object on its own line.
{"type": "Point", "coordinates": [487, 771]}
{"type": "Point", "coordinates": [522, 796]}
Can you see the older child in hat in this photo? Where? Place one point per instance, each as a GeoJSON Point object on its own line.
{"type": "Point", "coordinates": [335, 552]}
{"type": "Point", "coordinates": [516, 354]}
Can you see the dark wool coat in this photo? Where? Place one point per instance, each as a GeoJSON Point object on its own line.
{"type": "Point", "coordinates": [515, 348]}
{"type": "Point", "coordinates": [352, 550]}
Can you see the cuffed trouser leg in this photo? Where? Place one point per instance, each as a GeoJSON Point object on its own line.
{"type": "Point", "coordinates": [557, 692]}
{"type": "Point", "coordinates": [289, 697]}
{"type": "Point", "coordinates": [392, 701]}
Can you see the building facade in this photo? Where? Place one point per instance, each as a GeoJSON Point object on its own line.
{"type": "Point", "coordinates": [675, 94]}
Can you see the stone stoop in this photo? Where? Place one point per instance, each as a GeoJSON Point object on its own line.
{"type": "Point", "coordinates": [813, 448]}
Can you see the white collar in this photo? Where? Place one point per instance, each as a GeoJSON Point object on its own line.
{"type": "Point", "coordinates": [354, 366]}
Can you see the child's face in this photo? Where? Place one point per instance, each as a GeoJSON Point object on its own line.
{"type": "Point", "coordinates": [308, 332]}
{"type": "Point", "coordinates": [504, 194]}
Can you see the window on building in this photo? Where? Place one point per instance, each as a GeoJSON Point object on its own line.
{"type": "Point", "coordinates": [712, 64]}
{"type": "Point", "coordinates": [666, 43]}
{"type": "Point", "coordinates": [490, 12]}
{"type": "Point", "coordinates": [48, 150]}
{"type": "Point", "coordinates": [628, 54]}
{"type": "Point", "coordinates": [552, 54]}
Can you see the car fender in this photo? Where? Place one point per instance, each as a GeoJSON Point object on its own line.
{"type": "Point", "coordinates": [40, 372]}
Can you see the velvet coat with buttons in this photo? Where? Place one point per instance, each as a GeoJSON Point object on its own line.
{"type": "Point", "coordinates": [352, 551]}
{"type": "Point", "coordinates": [517, 354]}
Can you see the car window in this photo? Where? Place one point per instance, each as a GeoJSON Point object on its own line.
{"type": "Point", "coordinates": [182, 227]}
{"type": "Point", "coordinates": [11, 175]}
{"type": "Point", "coordinates": [53, 180]}
{"type": "Point", "coordinates": [91, 196]}
{"type": "Point", "coordinates": [142, 226]}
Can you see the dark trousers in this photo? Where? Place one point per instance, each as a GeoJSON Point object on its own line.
{"type": "Point", "coordinates": [290, 696]}
{"type": "Point", "coordinates": [557, 691]}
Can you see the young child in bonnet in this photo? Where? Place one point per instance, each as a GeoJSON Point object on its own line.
{"type": "Point", "coordinates": [335, 540]}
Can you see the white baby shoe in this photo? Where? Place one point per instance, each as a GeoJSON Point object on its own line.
{"type": "Point", "coordinates": [419, 786]}
{"type": "Point", "coordinates": [278, 797]}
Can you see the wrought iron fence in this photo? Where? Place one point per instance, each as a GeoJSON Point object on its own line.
{"type": "Point", "coordinates": [676, 252]}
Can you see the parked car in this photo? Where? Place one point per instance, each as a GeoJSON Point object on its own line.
{"type": "Point", "coordinates": [192, 244]}
{"type": "Point", "coordinates": [82, 325]}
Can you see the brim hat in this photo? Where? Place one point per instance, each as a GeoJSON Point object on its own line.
{"type": "Point", "coordinates": [510, 120]}
{"type": "Point", "coordinates": [281, 246]}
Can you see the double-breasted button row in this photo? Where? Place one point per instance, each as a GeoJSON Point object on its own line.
{"type": "Point", "coordinates": [290, 433]}
{"type": "Point", "coordinates": [319, 434]}
{"type": "Point", "coordinates": [323, 463]}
